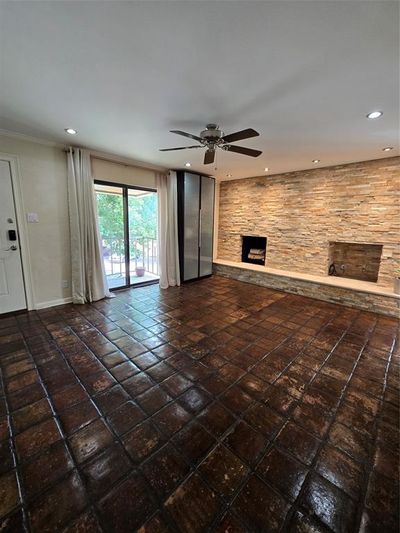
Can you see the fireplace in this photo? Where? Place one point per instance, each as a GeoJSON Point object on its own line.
{"type": "Point", "coordinates": [354, 260]}
{"type": "Point", "coordinates": [254, 249]}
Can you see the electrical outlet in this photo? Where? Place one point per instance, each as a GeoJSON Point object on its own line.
{"type": "Point", "coordinates": [65, 284]}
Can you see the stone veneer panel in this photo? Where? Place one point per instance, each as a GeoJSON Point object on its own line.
{"type": "Point", "coordinates": [300, 212]}
{"type": "Point", "coordinates": [360, 300]}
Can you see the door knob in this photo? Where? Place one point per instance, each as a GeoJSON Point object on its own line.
{"type": "Point", "coordinates": [13, 248]}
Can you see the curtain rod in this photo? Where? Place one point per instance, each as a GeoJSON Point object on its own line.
{"type": "Point", "coordinates": [119, 160]}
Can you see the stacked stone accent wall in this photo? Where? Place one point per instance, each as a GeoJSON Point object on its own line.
{"type": "Point", "coordinates": [300, 212]}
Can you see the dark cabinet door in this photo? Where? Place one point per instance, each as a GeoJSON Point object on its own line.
{"type": "Point", "coordinates": [191, 226]}
{"type": "Point", "coordinates": [206, 226]}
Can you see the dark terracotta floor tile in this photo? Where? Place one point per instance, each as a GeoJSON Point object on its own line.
{"type": "Point", "coordinates": [146, 360]}
{"type": "Point", "coordinates": [194, 399]}
{"type": "Point", "coordinates": [138, 384]}
{"type": "Point", "coordinates": [85, 523]}
{"type": "Point", "coordinates": [260, 507]}
{"type": "Point", "coordinates": [124, 370]}
{"type": "Point", "coordinates": [246, 442]}
{"type": "Point", "coordinates": [298, 442]}
{"type": "Point", "coordinates": [142, 441]}
{"type": "Point", "coordinates": [46, 469]}
{"type": "Point", "coordinates": [282, 472]}
{"type": "Point", "coordinates": [194, 441]}
{"type": "Point", "coordinates": [90, 440]}
{"type": "Point", "coordinates": [96, 383]}
{"type": "Point", "coordinates": [341, 470]}
{"type": "Point", "coordinates": [156, 524]}
{"type": "Point", "coordinates": [78, 416]}
{"type": "Point", "coordinates": [193, 505]}
{"type": "Point", "coordinates": [302, 523]}
{"type": "Point", "coordinates": [264, 419]}
{"type": "Point", "coordinates": [9, 495]}
{"type": "Point", "coordinates": [112, 398]}
{"type": "Point", "coordinates": [6, 456]}
{"type": "Point", "coordinates": [57, 507]}
{"type": "Point", "coordinates": [105, 470]}
{"type": "Point", "coordinates": [382, 495]}
{"type": "Point", "coordinates": [31, 414]}
{"type": "Point", "coordinates": [183, 375]}
{"type": "Point", "coordinates": [350, 441]}
{"type": "Point", "coordinates": [69, 397]}
{"type": "Point", "coordinates": [26, 396]}
{"type": "Point", "coordinates": [176, 384]}
{"type": "Point", "coordinates": [172, 418]}
{"type": "Point", "coordinates": [236, 399]}
{"type": "Point", "coordinates": [223, 470]}
{"type": "Point", "coordinates": [216, 419]}
{"type": "Point", "coordinates": [12, 523]}
{"type": "Point", "coordinates": [37, 438]}
{"type": "Point", "coordinates": [164, 470]}
{"type": "Point", "coordinates": [153, 400]}
{"type": "Point", "coordinates": [229, 524]}
{"type": "Point", "coordinates": [312, 419]}
{"type": "Point", "coordinates": [376, 522]}
{"type": "Point", "coordinates": [128, 506]}
{"type": "Point", "coordinates": [125, 417]}
{"type": "Point", "coordinates": [329, 504]}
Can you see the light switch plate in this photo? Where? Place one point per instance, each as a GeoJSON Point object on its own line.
{"type": "Point", "coordinates": [32, 217]}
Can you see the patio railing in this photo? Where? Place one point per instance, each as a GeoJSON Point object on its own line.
{"type": "Point", "coordinates": [143, 253]}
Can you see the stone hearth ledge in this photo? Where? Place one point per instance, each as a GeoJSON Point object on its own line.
{"type": "Point", "coordinates": [328, 288]}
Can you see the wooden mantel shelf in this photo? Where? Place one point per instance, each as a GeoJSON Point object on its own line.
{"type": "Point", "coordinates": [345, 283]}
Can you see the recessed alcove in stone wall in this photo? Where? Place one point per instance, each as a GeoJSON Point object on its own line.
{"type": "Point", "coordinates": [355, 260]}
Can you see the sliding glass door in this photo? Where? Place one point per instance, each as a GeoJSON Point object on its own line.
{"type": "Point", "coordinates": [128, 228]}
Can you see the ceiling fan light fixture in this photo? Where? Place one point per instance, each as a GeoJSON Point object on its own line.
{"type": "Point", "coordinates": [315, 161]}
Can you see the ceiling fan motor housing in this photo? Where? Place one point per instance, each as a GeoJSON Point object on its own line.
{"type": "Point", "coordinates": [212, 134]}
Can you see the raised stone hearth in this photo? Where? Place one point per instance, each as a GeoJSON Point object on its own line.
{"type": "Point", "coordinates": [352, 293]}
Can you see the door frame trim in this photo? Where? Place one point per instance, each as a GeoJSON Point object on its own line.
{"type": "Point", "coordinates": [22, 227]}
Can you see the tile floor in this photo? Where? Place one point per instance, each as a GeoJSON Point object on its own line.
{"type": "Point", "coordinates": [218, 406]}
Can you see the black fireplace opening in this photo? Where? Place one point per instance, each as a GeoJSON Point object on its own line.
{"type": "Point", "coordinates": [254, 249]}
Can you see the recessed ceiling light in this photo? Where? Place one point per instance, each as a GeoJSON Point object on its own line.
{"type": "Point", "coordinates": [375, 114]}
{"type": "Point", "coordinates": [316, 160]}
{"type": "Point", "coordinates": [266, 169]}
{"type": "Point", "coordinates": [188, 165]}
{"type": "Point", "coordinates": [387, 149]}
{"type": "Point", "coordinates": [70, 131]}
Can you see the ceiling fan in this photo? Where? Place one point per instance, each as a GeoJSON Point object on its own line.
{"type": "Point", "coordinates": [212, 137]}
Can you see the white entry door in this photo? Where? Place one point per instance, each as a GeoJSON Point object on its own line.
{"type": "Point", "coordinates": [12, 290]}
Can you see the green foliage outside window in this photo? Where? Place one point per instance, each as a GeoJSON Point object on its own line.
{"type": "Point", "coordinates": [142, 216]}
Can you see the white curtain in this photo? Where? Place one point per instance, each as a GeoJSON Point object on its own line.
{"type": "Point", "coordinates": [168, 251]}
{"type": "Point", "coordinates": [88, 277]}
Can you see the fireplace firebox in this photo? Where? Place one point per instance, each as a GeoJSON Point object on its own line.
{"type": "Point", "coordinates": [254, 249]}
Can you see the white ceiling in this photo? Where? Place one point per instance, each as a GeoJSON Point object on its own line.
{"type": "Point", "coordinates": [304, 74]}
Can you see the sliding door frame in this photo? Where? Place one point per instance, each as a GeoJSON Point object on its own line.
{"type": "Point", "coordinates": [125, 189]}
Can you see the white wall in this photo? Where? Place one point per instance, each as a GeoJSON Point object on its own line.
{"type": "Point", "coordinates": [43, 174]}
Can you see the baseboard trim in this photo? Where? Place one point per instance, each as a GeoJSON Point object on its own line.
{"type": "Point", "coordinates": [53, 303]}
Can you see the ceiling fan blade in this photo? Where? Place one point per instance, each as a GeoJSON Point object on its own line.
{"type": "Point", "coordinates": [195, 137]}
{"type": "Point", "coordinates": [240, 135]}
{"type": "Point", "coordinates": [180, 148]}
{"type": "Point", "coordinates": [242, 150]}
{"type": "Point", "coordinates": [209, 157]}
